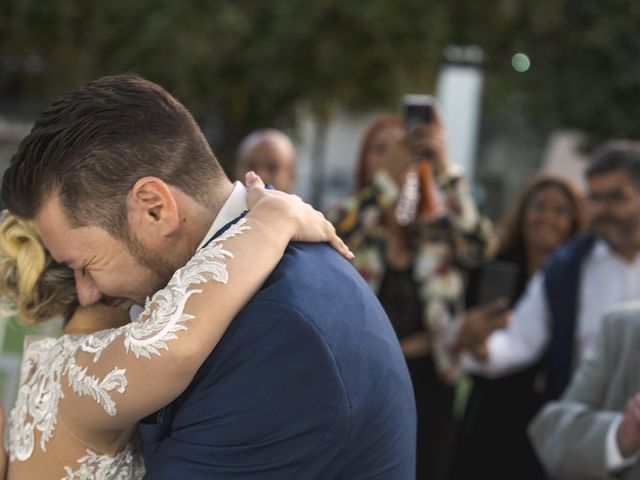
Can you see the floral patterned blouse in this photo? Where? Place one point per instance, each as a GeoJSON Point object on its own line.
{"type": "Point", "coordinates": [457, 239]}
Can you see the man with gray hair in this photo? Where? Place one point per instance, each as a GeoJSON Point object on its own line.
{"type": "Point", "coordinates": [562, 317]}
{"type": "Point", "coordinates": [270, 154]}
{"type": "Point", "coordinates": [593, 430]}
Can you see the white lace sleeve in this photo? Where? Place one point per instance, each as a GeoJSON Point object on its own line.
{"type": "Point", "coordinates": [165, 314]}
{"type": "Point", "coordinates": [111, 379]}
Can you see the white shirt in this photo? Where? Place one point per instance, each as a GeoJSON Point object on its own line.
{"type": "Point", "coordinates": [606, 279]}
{"type": "Point", "coordinates": [234, 205]}
{"type": "Point", "coordinates": [615, 460]}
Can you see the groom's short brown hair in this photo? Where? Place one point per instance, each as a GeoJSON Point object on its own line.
{"type": "Point", "coordinates": [94, 143]}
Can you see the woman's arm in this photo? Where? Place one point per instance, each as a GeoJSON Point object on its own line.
{"type": "Point", "coordinates": [116, 377]}
{"type": "Point", "coordinates": [473, 234]}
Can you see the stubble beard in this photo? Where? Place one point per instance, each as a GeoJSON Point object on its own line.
{"type": "Point", "coordinates": [159, 268]}
{"type": "Point", "coordinates": [624, 238]}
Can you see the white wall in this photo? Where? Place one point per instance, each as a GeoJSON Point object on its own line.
{"type": "Point", "coordinates": [343, 139]}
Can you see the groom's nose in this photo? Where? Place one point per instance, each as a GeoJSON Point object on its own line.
{"type": "Point", "coordinates": [88, 291]}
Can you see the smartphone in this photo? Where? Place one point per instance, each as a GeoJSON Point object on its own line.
{"type": "Point", "coordinates": [498, 279]}
{"type": "Point", "coordinates": [418, 109]}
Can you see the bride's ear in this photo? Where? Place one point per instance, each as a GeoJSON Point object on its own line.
{"type": "Point", "coordinates": [152, 208]}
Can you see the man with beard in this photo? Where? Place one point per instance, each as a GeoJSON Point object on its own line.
{"type": "Point", "coordinates": [593, 431]}
{"type": "Point", "coordinates": [307, 382]}
{"type": "Point", "coordinates": [560, 315]}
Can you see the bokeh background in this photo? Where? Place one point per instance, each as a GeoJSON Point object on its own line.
{"type": "Point", "coordinates": [549, 78]}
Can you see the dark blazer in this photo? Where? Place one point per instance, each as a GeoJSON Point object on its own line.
{"type": "Point", "coordinates": [308, 382]}
{"type": "Point", "coordinates": [562, 277]}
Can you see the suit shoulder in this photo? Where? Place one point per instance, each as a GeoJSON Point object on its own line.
{"type": "Point", "coordinates": [624, 315]}
{"type": "Point", "coordinates": [620, 328]}
{"type": "Point", "coordinates": [313, 274]}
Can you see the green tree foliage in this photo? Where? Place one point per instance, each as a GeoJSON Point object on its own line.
{"type": "Point", "coordinates": [236, 64]}
{"type": "Point", "coordinates": [242, 64]}
{"type": "Point", "coordinates": [585, 57]}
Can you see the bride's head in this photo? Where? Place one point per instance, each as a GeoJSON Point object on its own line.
{"type": "Point", "coordinates": [30, 280]}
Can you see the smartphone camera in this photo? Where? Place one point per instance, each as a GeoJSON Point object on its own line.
{"type": "Point", "coordinates": [418, 110]}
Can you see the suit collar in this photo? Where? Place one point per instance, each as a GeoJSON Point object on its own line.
{"type": "Point", "coordinates": [234, 208]}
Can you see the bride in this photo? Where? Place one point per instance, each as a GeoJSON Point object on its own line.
{"type": "Point", "coordinates": [82, 394]}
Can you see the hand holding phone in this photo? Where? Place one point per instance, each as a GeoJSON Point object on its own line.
{"type": "Point", "coordinates": [418, 110]}
{"type": "Point", "coordinates": [418, 197]}
{"type": "Point", "coordinates": [498, 280]}
{"type": "Point", "coordinates": [479, 323]}
{"type": "Point", "coordinates": [425, 134]}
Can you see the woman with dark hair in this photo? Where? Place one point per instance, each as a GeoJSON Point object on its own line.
{"type": "Point", "coordinates": [416, 269]}
{"type": "Point", "coordinates": [492, 440]}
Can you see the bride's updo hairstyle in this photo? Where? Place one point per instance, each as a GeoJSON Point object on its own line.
{"type": "Point", "coordinates": [30, 281]}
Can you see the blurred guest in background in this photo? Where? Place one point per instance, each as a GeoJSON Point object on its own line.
{"type": "Point", "coordinates": [548, 212]}
{"type": "Point", "coordinates": [560, 315]}
{"type": "Point", "coordinates": [593, 432]}
{"type": "Point", "coordinates": [271, 155]}
{"type": "Point", "coordinates": [416, 270]}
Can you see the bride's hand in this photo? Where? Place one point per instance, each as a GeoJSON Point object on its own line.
{"type": "Point", "coordinates": [306, 223]}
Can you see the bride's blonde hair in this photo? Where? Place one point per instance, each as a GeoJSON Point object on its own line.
{"type": "Point", "coordinates": [30, 280]}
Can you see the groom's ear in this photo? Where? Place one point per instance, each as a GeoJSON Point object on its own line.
{"type": "Point", "coordinates": [152, 207]}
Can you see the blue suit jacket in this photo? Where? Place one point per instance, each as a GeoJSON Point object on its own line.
{"type": "Point", "coordinates": [307, 383]}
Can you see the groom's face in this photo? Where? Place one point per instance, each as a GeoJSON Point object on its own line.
{"type": "Point", "coordinates": [106, 268]}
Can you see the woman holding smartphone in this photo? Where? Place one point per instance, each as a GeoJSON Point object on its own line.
{"type": "Point", "coordinates": [414, 261]}
{"type": "Point", "coordinates": [549, 211]}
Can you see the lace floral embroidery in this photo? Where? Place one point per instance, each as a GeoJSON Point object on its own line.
{"type": "Point", "coordinates": [126, 465]}
{"type": "Point", "coordinates": [46, 362]}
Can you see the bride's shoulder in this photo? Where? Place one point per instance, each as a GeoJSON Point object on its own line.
{"type": "Point", "coordinates": [38, 345]}
{"type": "Point", "coordinates": [37, 342]}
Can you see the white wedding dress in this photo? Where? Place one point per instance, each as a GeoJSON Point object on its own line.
{"type": "Point", "coordinates": [81, 395]}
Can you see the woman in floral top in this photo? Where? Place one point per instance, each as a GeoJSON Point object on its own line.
{"type": "Point", "coordinates": [417, 270]}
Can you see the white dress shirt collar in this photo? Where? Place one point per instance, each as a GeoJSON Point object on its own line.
{"type": "Point", "coordinates": [233, 207]}
{"type": "Point", "coordinates": [602, 251]}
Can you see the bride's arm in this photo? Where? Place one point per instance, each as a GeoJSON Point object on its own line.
{"type": "Point", "coordinates": [119, 376]}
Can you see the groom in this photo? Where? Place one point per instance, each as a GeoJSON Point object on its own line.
{"type": "Point", "coordinates": [308, 381]}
